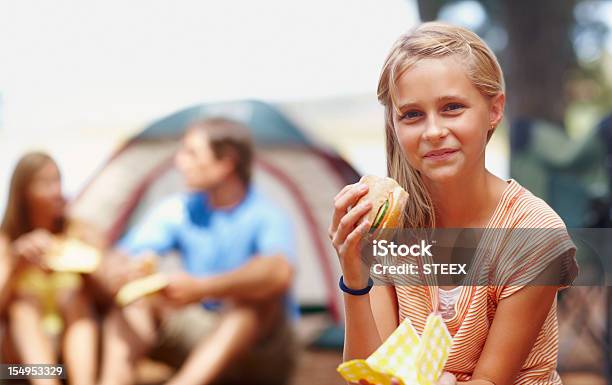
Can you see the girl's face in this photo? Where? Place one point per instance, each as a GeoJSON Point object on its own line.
{"type": "Point", "coordinates": [444, 120]}
{"type": "Point", "coordinates": [44, 193]}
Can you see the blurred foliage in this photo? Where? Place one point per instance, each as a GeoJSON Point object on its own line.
{"type": "Point", "coordinates": [560, 45]}
{"type": "Point", "coordinates": [590, 93]}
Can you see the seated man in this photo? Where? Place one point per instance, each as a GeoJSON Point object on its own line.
{"type": "Point", "coordinates": [235, 247]}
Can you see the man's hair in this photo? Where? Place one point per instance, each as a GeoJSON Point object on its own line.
{"type": "Point", "coordinates": [229, 138]}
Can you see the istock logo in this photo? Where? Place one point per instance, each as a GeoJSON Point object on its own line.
{"type": "Point", "coordinates": [383, 248]}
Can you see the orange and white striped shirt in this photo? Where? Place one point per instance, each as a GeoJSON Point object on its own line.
{"type": "Point", "coordinates": [513, 264]}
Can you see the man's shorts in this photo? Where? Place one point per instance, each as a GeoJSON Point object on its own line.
{"type": "Point", "coordinates": [269, 362]}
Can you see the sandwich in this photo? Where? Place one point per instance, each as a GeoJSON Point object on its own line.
{"type": "Point", "coordinates": [388, 203]}
{"type": "Point", "coordinates": [149, 283]}
{"type": "Point", "coordinates": [72, 255]}
{"type": "Point", "coordinates": [140, 288]}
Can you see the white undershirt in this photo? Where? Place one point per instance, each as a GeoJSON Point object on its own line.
{"type": "Point", "coordinates": [447, 300]}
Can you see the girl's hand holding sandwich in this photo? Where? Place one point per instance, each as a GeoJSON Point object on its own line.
{"type": "Point", "coordinates": [32, 246]}
{"type": "Point", "coordinates": [372, 205]}
{"type": "Point", "coordinates": [346, 233]}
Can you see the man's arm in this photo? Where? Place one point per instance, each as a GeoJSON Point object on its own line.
{"type": "Point", "coordinates": [266, 275]}
{"type": "Point", "coordinates": [154, 235]}
{"type": "Point", "coordinates": [260, 279]}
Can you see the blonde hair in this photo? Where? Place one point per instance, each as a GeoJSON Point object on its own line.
{"type": "Point", "coordinates": [427, 41]}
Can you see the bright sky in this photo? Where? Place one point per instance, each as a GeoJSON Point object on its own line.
{"type": "Point", "coordinates": [77, 77]}
{"type": "Point", "coordinates": [85, 63]}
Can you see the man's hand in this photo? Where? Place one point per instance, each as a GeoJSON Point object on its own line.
{"type": "Point", "coordinates": [183, 289]}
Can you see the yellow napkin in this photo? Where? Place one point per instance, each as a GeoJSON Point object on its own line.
{"type": "Point", "coordinates": [405, 356]}
{"type": "Point", "coordinates": [72, 255]}
{"type": "Point", "coordinates": [141, 287]}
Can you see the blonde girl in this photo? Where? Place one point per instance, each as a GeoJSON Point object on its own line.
{"type": "Point", "coordinates": [443, 93]}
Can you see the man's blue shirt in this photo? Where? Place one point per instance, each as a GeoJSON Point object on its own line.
{"type": "Point", "coordinates": [210, 240]}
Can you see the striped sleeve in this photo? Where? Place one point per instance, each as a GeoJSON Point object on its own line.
{"type": "Point", "coordinates": [543, 255]}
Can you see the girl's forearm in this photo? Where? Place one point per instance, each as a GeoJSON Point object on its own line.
{"type": "Point", "coordinates": [361, 336]}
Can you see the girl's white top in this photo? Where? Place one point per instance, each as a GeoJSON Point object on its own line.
{"type": "Point", "coordinates": [447, 300]}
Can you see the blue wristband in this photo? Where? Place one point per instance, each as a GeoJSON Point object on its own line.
{"type": "Point", "coordinates": [363, 291]}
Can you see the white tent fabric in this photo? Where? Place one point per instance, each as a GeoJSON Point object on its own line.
{"type": "Point", "coordinates": [302, 178]}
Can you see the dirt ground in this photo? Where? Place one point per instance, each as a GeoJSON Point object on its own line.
{"type": "Point", "coordinates": [318, 367]}
{"type": "Point", "coordinates": [315, 366]}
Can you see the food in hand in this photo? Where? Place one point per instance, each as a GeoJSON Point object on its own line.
{"type": "Point", "coordinates": [388, 200]}
{"type": "Point", "coordinates": [140, 288]}
{"type": "Point", "coordinates": [72, 255]}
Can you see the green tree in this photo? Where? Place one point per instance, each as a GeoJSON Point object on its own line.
{"type": "Point", "coordinates": [539, 56]}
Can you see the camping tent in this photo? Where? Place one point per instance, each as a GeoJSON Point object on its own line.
{"type": "Point", "coordinates": [295, 171]}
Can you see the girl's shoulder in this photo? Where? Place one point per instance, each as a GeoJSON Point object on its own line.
{"type": "Point", "coordinates": [525, 210]}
